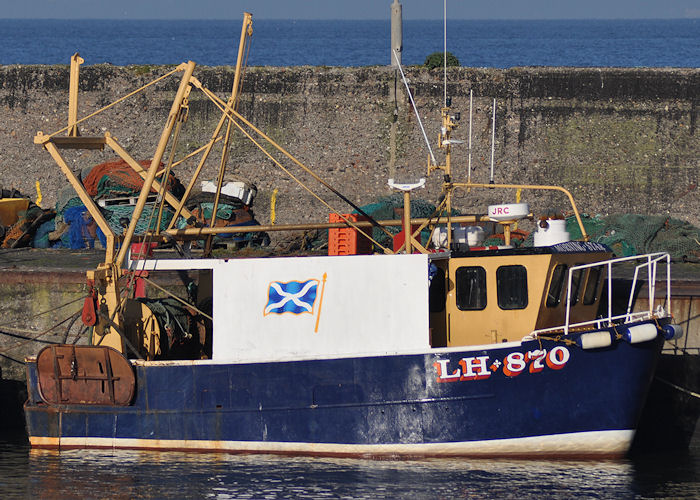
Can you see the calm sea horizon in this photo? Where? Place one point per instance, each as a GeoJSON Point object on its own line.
{"type": "Point", "coordinates": [497, 44]}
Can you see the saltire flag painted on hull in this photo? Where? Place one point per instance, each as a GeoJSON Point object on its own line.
{"type": "Point", "coordinates": [295, 297]}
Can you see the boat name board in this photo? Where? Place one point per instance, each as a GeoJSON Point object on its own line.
{"type": "Point", "coordinates": [512, 365]}
{"type": "Point", "coordinates": [578, 247]}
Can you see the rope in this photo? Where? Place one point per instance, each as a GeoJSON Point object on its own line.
{"type": "Point", "coordinates": [682, 389]}
{"type": "Point", "coordinates": [123, 98]}
{"type": "Point", "coordinates": [81, 332]}
{"type": "Point", "coordinates": [70, 325]}
{"type": "Point", "coordinates": [4, 352]}
{"type": "Point", "coordinates": [131, 281]}
{"type": "Point", "coordinates": [24, 337]}
{"type": "Point", "coordinates": [556, 338]}
{"type": "Point", "coordinates": [116, 328]}
{"type": "Point", "coordinates": [231, 114]}
{"type": "Point", "coordinates": [11, 358]}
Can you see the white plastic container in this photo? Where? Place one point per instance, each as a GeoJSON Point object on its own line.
{"type": "Point", "coordinates": [640, 333]}
{"type": "Point", "coordinates": [440, 237]}
{"type": "Point", "coordinates": [236, 189]}
{"type": "Point", "coordinates": [555, 232]}
{"type": "Point", "coordinates": [595, 340]}
{"type": "Point", "coordinates": [459, 235]}
{"type": "Point", "coordinates": [472, 236]}
{"type": "Point", "coordinates": [475, 236]}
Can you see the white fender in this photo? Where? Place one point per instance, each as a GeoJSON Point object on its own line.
{"type": "Point", "coordinates": [640, 333]}
{"type": "Point", "coordinates": [595, 340]}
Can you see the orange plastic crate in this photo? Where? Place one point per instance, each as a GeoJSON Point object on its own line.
{"type": "Point", "coordinates": [347, 240]}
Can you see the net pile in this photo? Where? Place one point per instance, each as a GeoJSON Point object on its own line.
{"type": "Point", "coordinates": [116, 182]}
{"type": "Point", "coordinates": [632, 234]}
{"type": "Point", "coordinates": [230, 212]}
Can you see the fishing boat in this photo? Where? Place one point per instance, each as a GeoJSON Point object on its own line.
{"type": "Point", "coordinates": [450, 348]}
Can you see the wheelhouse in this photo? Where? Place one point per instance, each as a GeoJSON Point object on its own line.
{"type": "Point", "coordinates": [485, 297]}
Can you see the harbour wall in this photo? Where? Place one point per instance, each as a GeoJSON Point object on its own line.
{"type": "Point", "coordinates": [622, 140]}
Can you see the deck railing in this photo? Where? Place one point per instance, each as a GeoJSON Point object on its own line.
{"type": "Point", "coordinates": [646, 267]}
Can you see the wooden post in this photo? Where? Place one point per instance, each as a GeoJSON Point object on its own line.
{"type": "Point", "coordinates": [407, 233]}
{"type": "Point", "coordinates": [75, 62]}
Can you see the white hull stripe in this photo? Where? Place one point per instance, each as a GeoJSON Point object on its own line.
{"type": "Point", "coordinates": [615, 442]}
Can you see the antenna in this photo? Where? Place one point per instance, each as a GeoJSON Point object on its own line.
{"type": "Point", "coordinates": [493, 137]}
{"type": "Point", "coordinates": [415, 109]}
{"type": "Point", "coordinates": [469, 164]}
{"type": "Point", "coordinates": [444, 54]}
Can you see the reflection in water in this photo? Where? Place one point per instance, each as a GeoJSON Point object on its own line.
{"type": "Point", "coordinates": [28, 473]}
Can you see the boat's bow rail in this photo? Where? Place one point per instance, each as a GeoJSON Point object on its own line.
{"type": "Point", "coordinates": [646, 273]}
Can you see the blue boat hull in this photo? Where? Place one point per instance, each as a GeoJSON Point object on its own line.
{"type": "Point", "coordinates": [493, 400]}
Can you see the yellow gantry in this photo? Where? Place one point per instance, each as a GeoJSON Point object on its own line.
{"type": "Point", "coordinates": [108, 275]}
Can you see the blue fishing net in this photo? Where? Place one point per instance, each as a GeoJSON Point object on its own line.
{"type": "Point", "coordinates": [78, 236]}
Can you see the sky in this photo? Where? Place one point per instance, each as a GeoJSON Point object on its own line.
{"type": "Point", "coordinates": [350, 9]}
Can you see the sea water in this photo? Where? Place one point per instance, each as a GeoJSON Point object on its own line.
{"type": "Point", "coordinates": [497, 44]}
{"type": "Point", "coordinates": [26, 473]}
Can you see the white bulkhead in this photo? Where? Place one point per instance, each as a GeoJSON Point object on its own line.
{"type": "Point", "coordinates": [314, 307]}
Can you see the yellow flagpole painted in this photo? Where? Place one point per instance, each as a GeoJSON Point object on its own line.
{"type": "Point", "coordinates": [273, 203]}
{"type": "Point", "coordinates": [38, 194]}
{"type": "Point", "coordinates": [320, 302]}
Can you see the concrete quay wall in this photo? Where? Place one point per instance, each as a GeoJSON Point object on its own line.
{"type": "Point", "coordinates": [622, 140]}
{"type": "Point", "coordinates": [41, 292]}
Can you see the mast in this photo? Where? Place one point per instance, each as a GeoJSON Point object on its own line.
{"type": "Point", "coordinates": [396, 34]}
{"type": "Point", "coordinates": [155, 162]}
{"type": "Point", "coordinates": [75, 62]}
{"type": "Point", "coordinates": [246, 32]}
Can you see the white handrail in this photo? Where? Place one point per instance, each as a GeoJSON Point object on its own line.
{"type": "Point", "coordinates": [651, 261]}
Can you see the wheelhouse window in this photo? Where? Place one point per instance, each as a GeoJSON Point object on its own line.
{"type": "Point", "coordinates": [592, 285]}
{"type": "Point", "coordinates": [470, 288]}
{"type": "Point", "coordinates": [576, 278]}
{"type": "Point", "coordinates": [556, 285]}
{"type": "Point", "coordinates": [511, 287]}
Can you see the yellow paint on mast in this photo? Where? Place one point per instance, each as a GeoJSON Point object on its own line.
{"type": "Point", "coordinates": [75, 62]}
{"type": "Point", "coordinates": [246, 31]}
{"type": "Point", "coordinates": [124, 155]}
{"type": "Point", "coordinates": [469, 185]}
{"type": "Point", "coordinates": [85, 198]}
{"type": "Point", "coordinates": [155, 162]}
